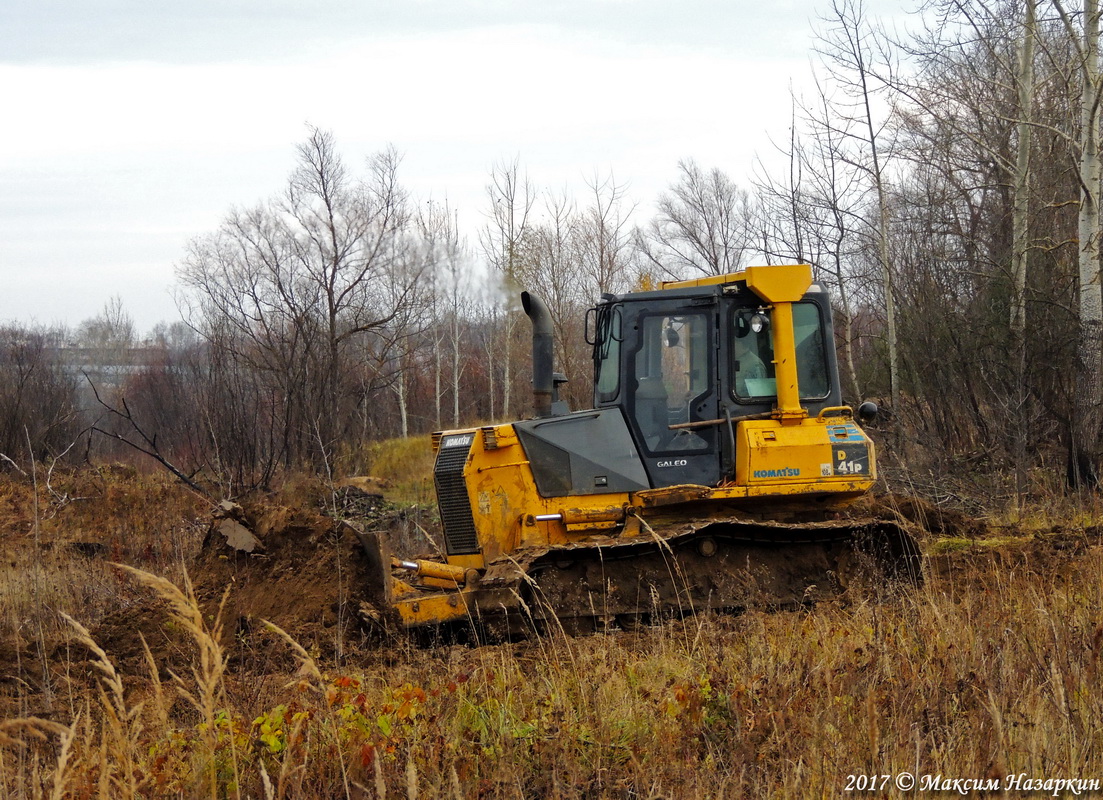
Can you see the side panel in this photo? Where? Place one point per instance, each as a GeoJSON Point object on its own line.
{"type": "Point", "coordinates": [489, 498]}
{"type": "Point", "coordinates": [585, 453]}
{"type": "Point", "coordinates": [812, 453]}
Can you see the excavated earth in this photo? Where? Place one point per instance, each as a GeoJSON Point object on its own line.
{"type": "Point", "coordinates": [300, 568]}
{"type": "Point", "coordinates": [304, 574]}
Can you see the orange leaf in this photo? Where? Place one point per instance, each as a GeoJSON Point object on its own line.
{"type": "Point", "coordinates": [367, 755]}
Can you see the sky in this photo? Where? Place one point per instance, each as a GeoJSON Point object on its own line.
{"type": "Point", "coordinates": [133, 126]}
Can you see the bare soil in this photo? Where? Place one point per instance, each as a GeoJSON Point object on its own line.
{"type": "Point", "coordinates": [307, 577]}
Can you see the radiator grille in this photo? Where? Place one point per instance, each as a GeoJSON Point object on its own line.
{"type": "Point", "coordinates": [455, 507]}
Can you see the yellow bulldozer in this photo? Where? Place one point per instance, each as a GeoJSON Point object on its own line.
{"type": "Point", "coordinates": [709, 474]}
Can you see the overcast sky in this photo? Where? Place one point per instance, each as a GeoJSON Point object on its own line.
{"type": "Point", "coordinates": [131, 127]}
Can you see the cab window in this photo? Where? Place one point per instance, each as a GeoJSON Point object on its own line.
{"type": "Point", "coordinates": [811, 356]}
{"type": "Point", "coordinates": [607, 353]}
{"type": "Point", "coordinates": [753, 376]}
{"type": "Point", "coordinates": [671, 371]}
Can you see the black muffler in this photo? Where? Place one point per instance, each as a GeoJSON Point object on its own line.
{"type": "Point", "coordinates": [543, 368]}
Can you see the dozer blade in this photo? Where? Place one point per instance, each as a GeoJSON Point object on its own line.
{"type": "Point", "coordinates": [376, 608]}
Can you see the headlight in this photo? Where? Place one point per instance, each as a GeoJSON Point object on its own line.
{"type": "Point", "coordinates": [759, 322]}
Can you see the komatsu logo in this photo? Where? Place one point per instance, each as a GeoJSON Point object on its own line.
{"type": "Point", "coordinates": [457, 441]}
{"type": "Point", "coordinates": [784, 472]}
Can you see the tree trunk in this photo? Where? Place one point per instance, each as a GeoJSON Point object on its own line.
{"type": "Point", "coordinates": [1020, 244]}
{"type": "Point", "coordinates": [884, 256]}
{"type": "Point", "coordinates": [507, 353]}
{"type": "Point", "coordinates": [1020, 208]}
{"type": "Point", "coordinates": [437, 369]}
{"type": "Point", "coordinates": [1086, 433]}
{"type": "Point", "coordinates": [403, 411]}
{"type": "Point", "coordinates": [456, 367]}
{"type": "Point", "coordinates": [490, 375]}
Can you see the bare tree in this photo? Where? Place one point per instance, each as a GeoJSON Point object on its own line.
{"type": "Point", "coordinates": [702, 225]}
{"type": "Point", "coordinates": [112, 328]}
{"type": "Point", "coordinates": [554, 270]}
{"type": "Point", "coordinates": [451, 279]}
{"type": "Point", "coordinates": [1020, 239]}
{"type": "Point", "coordinates": [1020, 221]}
{"type": "Point", "coordinates": [38, 395]}
{"type": "Point", "coordinates": [816, 212]}
{"type": "Point", "coordinates": [309, 289]}
{"type": "Point", "coordinates": [606, 241]}
{"type": "Point", "coordinates": [511, 199]}
{"type": "Point", "coordinates": [1088, 425]}
{"type": "Point", "coordinates": [848, 48]}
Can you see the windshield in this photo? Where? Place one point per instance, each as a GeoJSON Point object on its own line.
{"type": "Point", "coordinates": [753, 377]}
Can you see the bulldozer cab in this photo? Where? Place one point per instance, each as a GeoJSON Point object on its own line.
{"type": "Point", "coordinates": [686, 363]}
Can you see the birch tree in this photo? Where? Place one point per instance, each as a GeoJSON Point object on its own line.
{"type": "Point", "coordinates": [1020, 238]}
{"type": "Point", "coordinates": [1089, 388]}
{"type": "Point", "coordinates": [511, 198]}
{"type": "Point", "coordinates": [848, 49]}
{"type": "Point", "coordinates": [452, 280]}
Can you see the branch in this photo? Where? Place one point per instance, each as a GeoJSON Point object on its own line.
{"type": "Point", "coordinates": [147, 445]}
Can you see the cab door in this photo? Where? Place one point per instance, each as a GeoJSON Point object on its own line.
{"type": "Point", "coordinates": [671, 369]}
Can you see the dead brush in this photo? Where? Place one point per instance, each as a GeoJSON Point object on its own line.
{"type": "Point", "coordinates": [122, 726]}
{"type": "Point", "coordinates": [991, 667]}
{"type": "Point", "coordinates": [208, 694]}
{"type": "Point", "coordinates": [404, 464]}
{"type": "Point", "coordinates": [13, 734]}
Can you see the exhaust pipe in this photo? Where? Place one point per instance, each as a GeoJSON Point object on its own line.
{"type": "Point", "coordinates": [543, 381]}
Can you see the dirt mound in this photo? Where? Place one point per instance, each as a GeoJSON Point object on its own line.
{"type": "Point", "coordinates": [292, 561]}
{"type": "Point", "coordinates": [305, 573]}
{"type": "Point", "coordinates": [1059, 556]}
{"type": "Point", "coordinates": [117, 634]}
{"type": "Point", "coordinates": [937, 520]}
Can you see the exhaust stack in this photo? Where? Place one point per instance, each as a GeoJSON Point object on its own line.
{"type": "Point", "coordinates": [543, 375]}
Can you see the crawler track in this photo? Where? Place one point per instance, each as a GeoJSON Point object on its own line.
{"type": "Point", "coordinates": [723, 566]}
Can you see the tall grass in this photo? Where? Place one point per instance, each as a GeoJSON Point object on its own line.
{"type": "Point", "coordinates": [989, 670]}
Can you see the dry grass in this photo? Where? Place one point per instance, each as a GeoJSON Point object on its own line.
{"type": "Point", "coordinates": [58, 531]}
{"type": "Point", "coordinates": [991, 668]}
{"type": "Point", "coordinates": [997, 674]}
{"type": "Point", "coordinates": [56, 539]}
{"type": "Point", "coordinates": [407, 464]}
